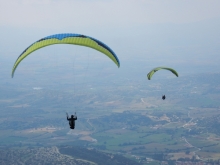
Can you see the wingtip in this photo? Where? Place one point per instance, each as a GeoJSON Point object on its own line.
{"type": "Point", "coordinates": [12, 75]}
{"type": "Point", "coordinates": [118, 65]}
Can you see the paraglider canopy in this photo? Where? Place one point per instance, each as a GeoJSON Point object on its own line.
{"type": "Point", "coordinates": [151, 73]}
{"type": "Point", "coordinates": [67, 38]}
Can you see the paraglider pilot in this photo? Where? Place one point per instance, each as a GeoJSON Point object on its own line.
{"type": "Point", "coordinates": [71, 120]}
{"type": "Point", "coordinates": [163, 97]}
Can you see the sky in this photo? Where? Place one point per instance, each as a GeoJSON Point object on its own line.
{"type": "Point", "coordinates": [56, 14]}
{"type": "Point", "coordinates": [171, 33]}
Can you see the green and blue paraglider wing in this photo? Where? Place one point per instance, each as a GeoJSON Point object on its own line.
{"type": "Point", "coordinates": [67, 38]}
{"type": "Point", "coordinates": [151, 73]}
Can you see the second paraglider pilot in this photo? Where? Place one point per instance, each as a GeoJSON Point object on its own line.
{"type": "Point", "coordinates": [71, 120]}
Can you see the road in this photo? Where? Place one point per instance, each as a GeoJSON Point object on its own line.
{"type": "Point", "coordinates": [88, 121]}
{"type": "Point", "coordinates": [189, 144]}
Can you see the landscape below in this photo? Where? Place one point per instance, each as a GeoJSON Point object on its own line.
{"type": "Point", "coordinates": [117, 124]}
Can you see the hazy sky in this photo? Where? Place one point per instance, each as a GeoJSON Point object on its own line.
{"type": "Point", "coordinates": [95, 13]}
{"type": "Point", "coordinates": [183, 31]}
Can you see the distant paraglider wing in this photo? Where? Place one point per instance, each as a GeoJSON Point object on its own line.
{"type": "Point", "coordinates": [151, 73]}
{"type": "Point", "coordinates": [67, 38]}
